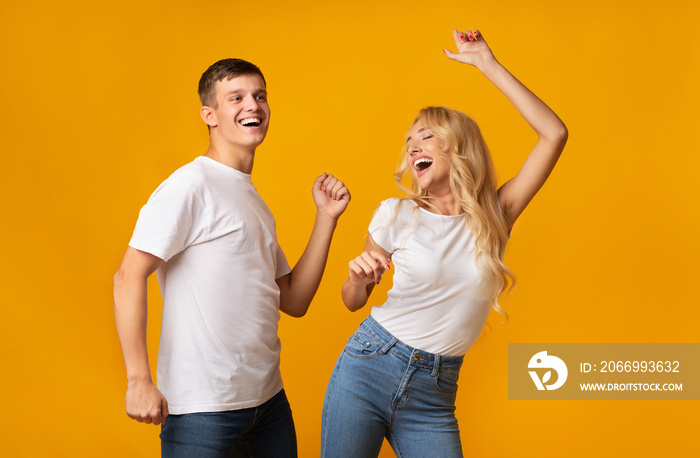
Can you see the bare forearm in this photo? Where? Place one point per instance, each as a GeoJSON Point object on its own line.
{"type": "Point", "coordinates": [307, 273]}
{"type": "Point", "coordinates": [355, 296]}
{"type": "Point", "coordinates": [538, 115]}
{"type": "Point", "coordinates": [130, 310]}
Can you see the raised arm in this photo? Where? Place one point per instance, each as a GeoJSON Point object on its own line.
{"type": "Point", "coordinates": [517, 192]}
{"type": "Point", "coordinates": [144, 402]}
{"type": "Point", "coordinates": [298, 288]}
{"type": "Point", "coordinates": [365, 271]}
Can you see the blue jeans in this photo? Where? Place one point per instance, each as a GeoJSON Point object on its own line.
{"type": "Point", "coordinates": [263, 431]}
{"type": "Point", "coordinates": [380, 388]}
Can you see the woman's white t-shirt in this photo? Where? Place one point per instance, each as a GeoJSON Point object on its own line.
{"type": "Point", "coordinates": [437, 303]}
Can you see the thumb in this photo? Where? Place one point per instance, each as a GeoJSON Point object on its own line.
{"type": "Point", "coordinates": [318, 182]}
{"type": "Point", "coordinates": [450, 55]}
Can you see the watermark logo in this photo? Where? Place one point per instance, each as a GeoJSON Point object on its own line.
{"type": "Point", "coordinates": [603, 371]}
{"type": "Point", "coordinates": [542, 360]}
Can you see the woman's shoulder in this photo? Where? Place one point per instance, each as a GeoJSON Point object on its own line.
{"type": "Point", "coordinates": [393, 210]}
{"type": "Point", "coordinates": [395, 202]}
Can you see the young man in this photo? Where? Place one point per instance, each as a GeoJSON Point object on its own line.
{"type": "Point", "coordinates": [224, 279]}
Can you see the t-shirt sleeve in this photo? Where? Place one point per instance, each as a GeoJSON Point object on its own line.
{"type": "Point", "coordinates": [282, 264]}
{"type": "Point", "coordinates": [171, 220]}
{"type": "Point", "coordinates": [381, 227]}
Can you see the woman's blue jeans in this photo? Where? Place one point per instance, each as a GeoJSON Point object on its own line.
{"type": "Point", "coordinates": [380, 388]}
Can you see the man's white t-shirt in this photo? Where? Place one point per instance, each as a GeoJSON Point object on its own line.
{"type": "Point", "coordinates": [219, 348]}
{"type": "Point", "coordinates": [437, 303]}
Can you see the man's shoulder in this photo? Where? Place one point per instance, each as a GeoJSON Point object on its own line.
{"type": "Point", "coordinates": [190, 174]}
{"type": "Point", "coordinates": [187, 180]}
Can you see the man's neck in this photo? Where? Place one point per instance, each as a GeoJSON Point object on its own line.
{"type": "Point", "coordinates": [236, 158]}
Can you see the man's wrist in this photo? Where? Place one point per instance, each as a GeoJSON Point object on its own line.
{"type": "Point", "coordinates": [325, 219]}
{"type": "Point", "coordinates": [139, 379]}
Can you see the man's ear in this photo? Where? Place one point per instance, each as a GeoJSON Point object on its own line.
{"type": "Point", "coordinates": [208, 115]}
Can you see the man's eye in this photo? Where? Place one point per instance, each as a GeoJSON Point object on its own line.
{"type": "Point", "coordinates": [261, 97]}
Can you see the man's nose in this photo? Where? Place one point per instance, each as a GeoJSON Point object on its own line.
{"type": "Point", "coordinates": [251, 104]}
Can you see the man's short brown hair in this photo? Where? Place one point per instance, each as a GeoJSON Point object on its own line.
{"type": "Point", "coordinates": [223, 69]}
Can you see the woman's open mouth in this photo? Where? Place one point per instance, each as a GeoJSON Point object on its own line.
{"type": "Point", "coordinates": [422, 163]}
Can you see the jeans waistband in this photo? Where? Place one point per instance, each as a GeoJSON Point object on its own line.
{"type": "Point", "coordinates": [417, 357]}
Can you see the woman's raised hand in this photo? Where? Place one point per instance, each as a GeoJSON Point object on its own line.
{"type": "Point", "coordinates": [472, 49]}
{"type": "Point", "coordinates": [368, 267]}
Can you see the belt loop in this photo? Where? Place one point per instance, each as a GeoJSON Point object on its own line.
{"type": "Point", "coordinates": [388, 346]}
{"type": "Point", "coordinates": [436, 365]}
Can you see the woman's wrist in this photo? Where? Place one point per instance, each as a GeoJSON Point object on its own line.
{"type": "Point", "coordinates": [489, 65]}
{"type": "Point", "coordinates": [359, 285]}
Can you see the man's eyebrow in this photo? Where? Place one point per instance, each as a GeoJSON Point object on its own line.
{"type": "Point", "coordinates": [419, 131]}
{"type": "Point", "coordinates": [241, 91]}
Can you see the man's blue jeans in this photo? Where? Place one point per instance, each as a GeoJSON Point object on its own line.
{"type": "Point", "coordinates": [381, 387]}
{"type": "Point", "coordinates": [263, 431]}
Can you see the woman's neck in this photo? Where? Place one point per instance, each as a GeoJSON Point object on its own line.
{"type": "Point", "coordinates": [445, 203]}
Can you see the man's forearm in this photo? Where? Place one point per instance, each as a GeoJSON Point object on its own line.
{"type": "Point", "coordinates": [130, 310]}
{"type": "Point", "coordinates": [306, 275]}
{"type": "Point", "coordinates": [144, 402]}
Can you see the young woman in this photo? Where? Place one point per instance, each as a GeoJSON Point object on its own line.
{"type": "Point", "coordinates": [397, 377]}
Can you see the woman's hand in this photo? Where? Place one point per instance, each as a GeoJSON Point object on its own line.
{"type": "Point", "coordinates": [368, 267]}
{"type": "Point", "coordinates": [365, 271]}
{"type": "Point", "coordinates": [472, 49]}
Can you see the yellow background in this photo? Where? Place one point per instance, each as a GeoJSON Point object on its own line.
{"type": "Point", "coordinates": [99, 105]}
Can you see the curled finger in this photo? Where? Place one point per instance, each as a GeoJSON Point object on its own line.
{"type": "Point", "coordinates": [364, 270]}
{"type": "Point", "coordinates": [328, 184]}
{"type": "Point", "coordinates": [376, 265]}
{"type": "Point", "coordinates": [337, 189]}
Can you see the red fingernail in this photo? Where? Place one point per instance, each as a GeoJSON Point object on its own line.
{"type": "Point", "coordinates": [462, 37]}
{"type": "Point", "coordinates": [388, 267]}
{"type": "Point", "coordinates": [471, 37]}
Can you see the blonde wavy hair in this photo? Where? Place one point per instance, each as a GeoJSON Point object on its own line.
{"type": "Point", "coordinates": [473, 184]}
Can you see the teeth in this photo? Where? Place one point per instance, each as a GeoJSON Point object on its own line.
{"type": "Point", "coordinates": [421, 160]}
{"type": "Point", "coordinates": [249, 121]}
{"type": "Point", "coordinates": [422, 163]}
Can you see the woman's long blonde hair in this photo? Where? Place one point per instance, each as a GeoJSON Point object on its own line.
{"type": "Point", "coordinates": [473, 184]}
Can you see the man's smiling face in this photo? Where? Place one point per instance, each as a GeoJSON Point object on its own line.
{"type": "Point", "coordinates": [242, 114]}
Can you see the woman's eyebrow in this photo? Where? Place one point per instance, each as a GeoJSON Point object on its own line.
{"type": "Point", "coordinates": [419, 131]}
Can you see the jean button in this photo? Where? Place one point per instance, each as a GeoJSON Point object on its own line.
{"type": "Point", "coordinates": [416, 357]}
